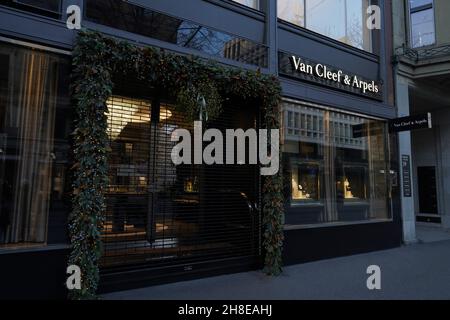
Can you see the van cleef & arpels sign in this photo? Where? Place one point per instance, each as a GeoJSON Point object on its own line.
{"type": "Point", "coordinates": [322, 74]}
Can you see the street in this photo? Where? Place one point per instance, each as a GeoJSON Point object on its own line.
{"type": "Point", "coordinates": [419, 271]}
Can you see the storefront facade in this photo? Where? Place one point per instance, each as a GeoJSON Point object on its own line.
{"type": "Point", "coordinates": [164, 222]}
{"type": "Point", "coordinates": [340, 182]}
{"type": "Point", "coordinates": [422, 76]}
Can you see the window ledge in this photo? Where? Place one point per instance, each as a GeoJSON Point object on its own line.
{"type": "Point", "coordinates": [37, 248]}
{"type": "Point", "coordinates": [288, 227]}
{"type": "Point", "coordinates": [303, 204]}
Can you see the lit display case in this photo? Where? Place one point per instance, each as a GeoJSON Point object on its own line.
{"type": "Point", "coordinates": [353, 183]}
{"type": "Point", "coordinates": [190, 185]}
{"type": "Point", "coordinates": [305, 182]}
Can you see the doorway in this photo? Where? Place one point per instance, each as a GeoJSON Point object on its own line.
{"type": "Point", "coordinates": [160, 215]}
{"type": "Point", "coordinates": [428, 201]}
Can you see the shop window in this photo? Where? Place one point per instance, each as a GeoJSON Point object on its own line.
{"type": "Point", "coordinates": [422, 23]}
{"type": "Point", "coordinates": [336, 174]}
{"type": "Point", "coordinates": [342, 20]}
{"type": "Point", "coordinates": [35, 123]}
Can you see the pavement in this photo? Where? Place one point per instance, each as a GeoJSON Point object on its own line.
{"type": "Point", "coordinates": [420, 271]}
{"type": "Point", "coordinates": [428, 234]}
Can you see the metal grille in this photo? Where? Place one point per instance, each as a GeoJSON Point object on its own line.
{"type": "Point", "coordinates": [159, 213]}
{"type": "Point", "coordinates": [421, 54]}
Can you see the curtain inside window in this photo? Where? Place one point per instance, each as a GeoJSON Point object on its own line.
{"type": "Point", "coordinates": [27, 130]}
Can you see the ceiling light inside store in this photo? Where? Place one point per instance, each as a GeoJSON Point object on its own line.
{"type": "Point", "coordinates": [124, 111]}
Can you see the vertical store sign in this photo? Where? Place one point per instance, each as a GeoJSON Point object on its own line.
{"type": "Point", "coordinates": [406, 171]}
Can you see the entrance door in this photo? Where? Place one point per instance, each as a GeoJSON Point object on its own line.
{"type": "Point", "coordinates": [161, 215]}
{"type": "Point", "coordinates": [428, 203]}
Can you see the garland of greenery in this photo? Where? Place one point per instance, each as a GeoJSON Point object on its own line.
{"type": "Point", "coordinates": [96, 59]}
{"type": "Point", "coordinates": [187, 101]}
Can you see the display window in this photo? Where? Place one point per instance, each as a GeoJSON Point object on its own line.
{"type": "Point", "coordinates": [35, 126]}
{"type": "Point", "coordinates": [305, 182]}
{"type": "Point", "coordinates": [338, 173]}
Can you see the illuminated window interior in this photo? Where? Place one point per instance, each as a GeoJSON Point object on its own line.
{"type": "Point", "coordinates": [335, 172]}
{"type": "Point", "coordinates": [305, 182]}
{"type": "Point", "coordinates": [124, 111]}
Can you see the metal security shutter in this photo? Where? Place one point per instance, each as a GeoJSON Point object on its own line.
{"type": "Point", "coordinates": [159, 214]}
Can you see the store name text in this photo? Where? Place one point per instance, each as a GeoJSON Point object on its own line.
{"type": "Point", "coordinates": [327, 73]}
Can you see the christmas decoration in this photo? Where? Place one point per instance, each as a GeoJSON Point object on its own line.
{"type": "Point", "coordinates": [96, 60]}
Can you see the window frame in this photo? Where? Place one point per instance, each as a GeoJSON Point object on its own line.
{"type": "Point", "coordinates": [389, 167]}
{"type": "Point", "coordinates": [50, 241]}
{"type": "Point", "coordinates": [410, 11]}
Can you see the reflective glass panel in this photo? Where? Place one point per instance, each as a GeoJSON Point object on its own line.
{"type": "Point", "coordinates": [342, 20]}
{"type": "Point", "coordinates": [337, 172]}
{"type": "Point", "coordinates": [327, 17]}
{"type": "Point", "coordinates": [419, 3]}
{"type": "Point", "coordinates": [292, 11]}
{"type": "Point", "coordinates": [149, 23]}
{"type": "Point", "coordinates": [422, 28]}
{"type": "Point", "coordinates": [249, 3]}
{"type": "Point", "coordinates": [35, 123]}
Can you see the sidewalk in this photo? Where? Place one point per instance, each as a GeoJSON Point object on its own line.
{"type": "Point", "coordinates": [429, 234]}
{"type": "Point", "coordinates": [420, 271]}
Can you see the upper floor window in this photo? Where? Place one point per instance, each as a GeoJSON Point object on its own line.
{"type": "Point", "coordinates": [249, 3]}
{"type": "Point", "coordinates": [422, 23]}
{"type": "Point", "coordinates": [50, 8]}
{"type": "Point", "coordinates": [48, 5]}
{"type": "Point", "coordinates": [146, 22]}
{"type": "Point", "coordinates": [342, 20]}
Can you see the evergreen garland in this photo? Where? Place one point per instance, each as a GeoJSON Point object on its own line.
{"type": "Point", "coordinates": [187, 101]}
{"type": "Point", "coordinates": [96, 59]}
